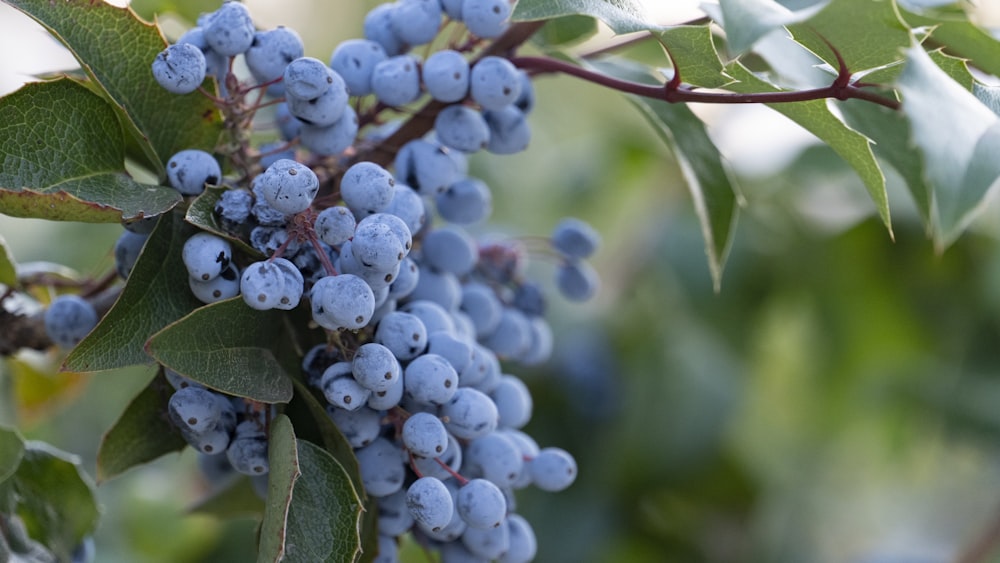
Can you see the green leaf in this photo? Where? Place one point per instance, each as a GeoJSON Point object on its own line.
{"type": "Point", "coordinates": [564, 31]}
{"type": "Point", "coordinates": [959, 37]}
{"type": "Point", "coordinates": [866, 34]}
{"type": "Point", "coordinates": [187, 9]}
{"type": "Point", "coordinates": [988, 95]}
{"type": "Point", "coordinates": [816, 117]}
{"type": "Point", "coordinates": [155, 295]}
{"type": "Point", "coordinates": [229, 347]}
{"type": "Point", "coordinates": [890, 132]}
{"type": "Point", "coordinates": [958, 137]}
{"type": "Point", "coordinates": [746, 21]}
{"type": "Point", "coordinates": [8, 267]}
{"type": "Point", "coordinates": [233, 500]}
{"type": "Point", "coordinates": [11, 452]}
{"type": "Point", "coordinates": [622, 16]}
{"type": "Point", "coordinates": [141, 434]}
{"type": "Point", "coordinates": [201, 213]}
{"type": "Point", "coordinates": [116, 50]}
{"type": "Point", "coordinates": [694, 51]}
{"type": "Point", "coordinates": [313, 512]}
{"type": "Point", "coordinates": [64, 158]}
{"type": "Point", "coordinates": [56, 499]}
{"type": "Point", "coordinates": [708, 178]}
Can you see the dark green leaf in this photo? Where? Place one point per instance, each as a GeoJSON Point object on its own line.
{"type": "Point", "coordinates": [988, 95]}
{"type": "Point", "coordinates": [57, 501]}
{"type": "Point", "coordinates": [694, 51]}
{"type": "Point", "coordinates": [116, 49]}
{"type": "Point", "coordinates": [957, 136]}
{"type": "Point", "coordinates": [709, 179]}
{"type": "Point", "coordinates": [11, 451]}
{"type": "Point", "coordinates": [229, 347]}
{"type": "Point", "coordinates": [816, 117]}
{"type": "Point", "coordinates": [313, 512]}
{"type": "Point", "coordinates": [142, 433]}
{"type": "Point", "coordinates": [156, 295]}
{"type": "Point", "coordinates": [622, 16]}
{"type": "Point", "coordinates": [866, 34]}
{"type": "Point", "coordinates": [233, 500]}
{"type": "Point", "coordinates": [64, 158]}
{"type": "Point", "coordinates": [201, 213]}
{"type": "Point", "coordinates": [8, 267]}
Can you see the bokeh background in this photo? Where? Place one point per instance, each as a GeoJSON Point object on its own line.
{"type": "Point", "coordinates": [838, 400]}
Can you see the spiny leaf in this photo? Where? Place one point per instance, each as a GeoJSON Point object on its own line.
{"type": "Point", "coordinates": [116, 50]}
{"type": "Point", "coordinates": [566, 30]}
{"type": "Point", "coordinates": [866, 34]}
{"type": "Point", "coordinates": [709, 179]}
{"type": "Point", "coordinates": [229, 347]}
{"type": "Point", "coordinates": [313, 511]}
{"type": "Point", "coordinates": [622, 16]}
{"type": "Point", "coordinates": [694, 51]}
{"type": "Point", "coordinates": [141, 434]}
{"type": "Point", "coordinates": [154, 296]}
{"type": "Point", "coordinates": [64, 158]}
{"type": "Point", "coordinates": [746, 21]}
{"type": "Point", "coordinates": [959, 37]}
{"type": "Point", "coordinates": [959, 138]}
{"type": "Point", "coordinates": [816, 117]}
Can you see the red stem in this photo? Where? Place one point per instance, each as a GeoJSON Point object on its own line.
{"type": "Point", "coordinates": [676, 93]}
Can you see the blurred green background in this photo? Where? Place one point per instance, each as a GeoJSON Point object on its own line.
{"type": "Point", "coordinates": [837, 401]}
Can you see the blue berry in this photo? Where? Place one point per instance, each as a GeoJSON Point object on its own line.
{"type": "Point", "coordinates": [402, 333]}
{"type": "Point", "coordinates": [396, 80]}
{"type": "Point", "coordinates": [416, 22]}
{"type": "Point", "coordinates": [180, 68]}
{"type": "Point", "coordinates": [127, 249]}
{"type": "Point", "coordinates": [450, 249]}
{"type": "Point", "coordinates": [354, 60]}
{"type": "Point", "coordinates": [446, 76]}
{"type": "Point", "coordinates": [206, 255]}
{"type": "Point", "coordinates": [68, 319]}
{"type": "Point", "coordinates": [262, 285]}
{"type": "Point", "coordinates": [465, 202]}
{"type": "Point", "coordinates": [509, 130]}
{"type": "Point", "coordinates": [430, 502]}
{"type": "Point", "coordinates": [224, 286]}
{"type": "Point", "coordinates": [481, 504]}
{"type": "Point", "coordinates": [270, 52]}
{"type": "Point", "coordinates": [574, 238]}
{"type": "Point", "coordinates": [335, 225]}
{"type": "Point", "coordinates": [408, 206]}
{"type": "Point", "coordinates": [233, 208]}
{"type": "Point", "coordinates": [378, 28]}
{"type": "Point", "coordinates": [307, 78]}
{"type": "Point", "coordinates": [324, 109]}
{"type": "Point", "coordinates": [577, 280]}
{"type": "Point", "coordinates": [343, 301]}
{"type": "Point", "coordinates": [462, 128]}
{"type": "Point", "coordinates": [486, 18]}
{"type": "Point", "coordinates": [332, 139]}
{"type": "Point", "coordinates": [470, 414]}
{"type": "Point", "coordinates": [381, 467]}
{"type": "Point", "coordinates": [287, 186]}
{"type": "Point", "coordinates": [430, 379]}
{"type": "Point", "coordinates": [424, 435]}
{"type": "Point", "coordinates": [426, 167]}
{"type": "Point", "coordinates": [230, 31]}
{"type": "Point", "coordinates": [494, 83]}
{"type": "Point", "coordinates": [367, 188]}
{"type": "Point", "coordinates": [375, 367]}
{"type": "Point", "coordinates": [553, 469]}
{"type": "Point", "coordinates": [190, 170]}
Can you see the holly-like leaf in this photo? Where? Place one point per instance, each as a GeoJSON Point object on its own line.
{"type": "Point", "coordinates": [622, 16]}
{"type": "Point", "coordinates": [8, 267]}
{"type": "Point", "coordinates": [959, 139]}
{"type": "Point", "coordinates": [564, 31]}
{"type": "Point", "coordinates": [313, 512]}
{"type": "Point", "coordinates": [866, 34]}
{"type": "Point", "coordinates": [746, 21]}
{"type": "Point", "coordinates": [988, 95]}
{"type": "Point", "coordinates": [229, 347]}
{"type": "Point", "coordinates": [694, 52]}
{"type": "Point", "coordinates": [56, 499]}
{"type": "Point", "coordinates": [155, 295]}
{"type": "Point", "coordinates": [64, 158]}
{"type": "Point", "coordinates": [890, 132]}
{"type": "Point", "coordinates": [816, 117]}
{"type": "Point", "coordinates": [11, 452]}
{"type": "Point", "coordinates": [141, 434]}
{"type": "Point", "coordinates": [961, 38]}
{"type": "Point", "coordinates": [116, 50]}
{"type": "Point", "coordinates": [709, 180]}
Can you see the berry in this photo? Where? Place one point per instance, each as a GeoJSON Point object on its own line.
{"type": "Point", "coordinates": [424, 435]}
{"type": "Point", "coordinates": [396, 80]}
{"type": "Point", "coordinates": [180, 68]}
{"type": "Point", "coordinates": [206, 255]}
{"type": "Point", "coordinates": [190, 170]}
{"type": "Point", "coordinates": [462, 128]}
{"type": "Point", "coordinates": [446, 76]}
{"type": "Point", "coordinates": [355, 61]}
{"type": "Point", "coordinates": [494, 83]}
{"type": "Point", "coordinates": [230, 31]}
{"type": "Point", "coordinates": [68, 319]}
{"type": "Point", "coordinates": [430, 502]}
{"type": "Point", "coordinates": [287, 186]}
{"type": "Point", "coordinates": [486, 18]}
{"type": "Point", "coordinates": [574, 238]}
{"type": "Point", "coordinates": [270, 52]}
